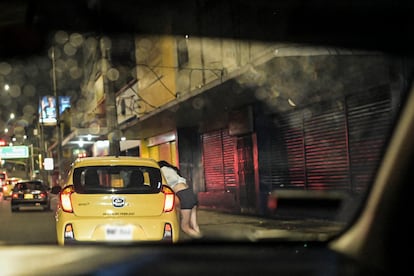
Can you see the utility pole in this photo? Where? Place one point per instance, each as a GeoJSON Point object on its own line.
{"type": "Point", "coordinates": [59, 134]}
{"type": "Point", "coordinates": [31, 161]}
{"type": "Point", "coordinates": [114, 136]}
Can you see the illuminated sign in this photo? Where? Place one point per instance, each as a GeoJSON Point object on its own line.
{"type": "Point", "coordinates": [48, 164]}
{"type": "Point", "coordinates": [14, 152]}
{"type": "Point", "coordinates": [47, 108]}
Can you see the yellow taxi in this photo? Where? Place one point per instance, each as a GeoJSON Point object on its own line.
{"type": "Point", "coordinates": [112, 199]}
{"type": "Point", "coordinates": [8, 185]}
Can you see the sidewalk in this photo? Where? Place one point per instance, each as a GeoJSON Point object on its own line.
{"type": "Point", "coordinates": [218, 225]}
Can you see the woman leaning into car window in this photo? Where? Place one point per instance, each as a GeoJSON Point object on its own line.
{"type": "Point", "coordinates": [188, 200]}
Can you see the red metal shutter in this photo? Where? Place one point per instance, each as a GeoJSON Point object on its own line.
{"type": "Point", "coordinates": [213, 161]}
{"type": "Point", "coordinates": [335, 154]}
{"type": "Point", "coordinates": [218, 156]}
{"type": "Point", "coordinates": [326, 156]}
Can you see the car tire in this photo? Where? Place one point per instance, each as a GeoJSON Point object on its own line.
{"type": "Point", "coordinates": [14, 209]}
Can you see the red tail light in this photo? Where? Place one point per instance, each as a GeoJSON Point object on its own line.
{"type": "Point", "coordinates": [42, 195]}
{"type": "Point", "coordinates": [169, 198]}
{"type": "Point", "coordinates": [65, 199]}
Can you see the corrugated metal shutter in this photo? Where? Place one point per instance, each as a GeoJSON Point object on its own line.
{"type": "Point", "coordinates": [229, 152]}
{"type": "Point", "coordinates": [272, 154]}
{"type": "Point", "coordinates": [322, 153]}
{"type": "Point", "coordinates": [326, 154]}
{"type": "Point", "coordinates": [366, 147]}
{"type": "Point", "coordinates": [292, 128]}
{"type": "Point", "coordinates": [218, 156]}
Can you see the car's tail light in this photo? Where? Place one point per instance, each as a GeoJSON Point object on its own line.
{"type": "Point", "coordinates": [65, 199]}
{"type": "Point", "coordinates": [42, 195]}
{"type": "Point", "coordinates": [169, 198]}
{"type": "Point", "coordinates": [15, 195]}
{"type": "Point", "coordinates": [167, 233]}
{"type": "Point", "coordinates": [272, 203]}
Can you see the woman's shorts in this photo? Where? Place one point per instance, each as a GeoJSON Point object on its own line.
{"type": "Point", "coordinates": [187, 198]}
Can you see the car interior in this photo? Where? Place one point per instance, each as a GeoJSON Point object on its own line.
{"type": "Point", "coordinates": [376, 237]}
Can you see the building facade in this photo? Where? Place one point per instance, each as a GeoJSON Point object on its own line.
{"type": "Point", "coordinates": [242, 118]}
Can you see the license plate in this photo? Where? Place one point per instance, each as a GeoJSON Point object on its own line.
{"type": "Point", "coordinates": [118, 232]}
{"type": "Point", "coordinates": [28, 196]}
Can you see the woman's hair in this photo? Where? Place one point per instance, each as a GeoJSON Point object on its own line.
{"type": "Point", "coordinates": [163, 163]}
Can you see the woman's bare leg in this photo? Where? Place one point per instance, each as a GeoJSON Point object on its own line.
{"type": "Point", "coordinates": [193, 219]}
{"type": "Point", "coordinates": [186, 224]}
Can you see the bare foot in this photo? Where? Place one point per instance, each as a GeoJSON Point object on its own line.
{"type": "Point", "coordinates": [192, 233]}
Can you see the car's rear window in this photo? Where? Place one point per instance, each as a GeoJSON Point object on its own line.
{"type": "Point", "coordinates": [29, 186]}
{"type": "Point", "coordinates": [117, 179]}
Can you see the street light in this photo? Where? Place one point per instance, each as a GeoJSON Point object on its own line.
{"type": "Point", "coordinates": [12, 116]}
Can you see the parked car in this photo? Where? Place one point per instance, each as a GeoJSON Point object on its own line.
{"type": "Point", "coordinates": [30, 195]}
{"type": "Point", "coordinates": [8, 186]}
{"type": "Point", "coordinates": [116, 199]}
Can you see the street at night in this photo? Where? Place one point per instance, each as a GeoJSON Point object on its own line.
{"type": "Point", "coordinates": [38, 227]}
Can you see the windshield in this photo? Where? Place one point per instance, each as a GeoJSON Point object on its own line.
{"type": "Point", "coordinates": [277, 139]}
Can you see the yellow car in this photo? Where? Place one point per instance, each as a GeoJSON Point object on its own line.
{"type": "Point", "coordinates": [116, 200]}
{"type": "Point", "coordinates": [8, 186]}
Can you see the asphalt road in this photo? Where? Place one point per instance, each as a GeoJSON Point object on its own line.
{"type": "Point", "coordinates": [26, 227]}
{"type": "Point", "coordinates": [38, 227]}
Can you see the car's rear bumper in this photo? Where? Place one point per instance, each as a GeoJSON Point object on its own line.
{"type": "Point", "coordinates": [94, 230]}
{"type": "Point", "coordinates": [29, 205]}
{"type": "Point", "coordinates": [6, 195]}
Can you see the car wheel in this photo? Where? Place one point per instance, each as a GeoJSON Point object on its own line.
{"type": "Point", "coordinates": [14, 209]}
